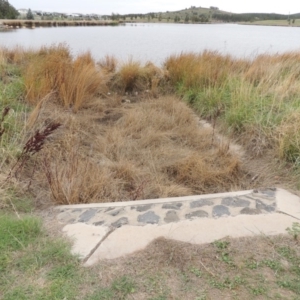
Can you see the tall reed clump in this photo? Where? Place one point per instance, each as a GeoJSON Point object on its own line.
{"type": "Point", "coordinates": [74, 81]}
{"type": "Point", "coordinates": [253, 97]}
{"type": "Point", "coordinates": [208, 69]}
{"type": "Point", "coordinates": [201, 79]}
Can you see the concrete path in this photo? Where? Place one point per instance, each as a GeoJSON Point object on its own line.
{"type": "Point", "coordinates": [111, 230]}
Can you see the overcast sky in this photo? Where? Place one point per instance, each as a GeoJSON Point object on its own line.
{"type": "Point", "coordinates": [144, 6]}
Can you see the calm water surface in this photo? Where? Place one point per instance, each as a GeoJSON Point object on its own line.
{"type": "Point", "coordinates": [155, 42]}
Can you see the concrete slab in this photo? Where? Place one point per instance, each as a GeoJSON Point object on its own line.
{"type": "Point", "coordinates": [128, 239]}
{"type": "Point", "coordinates": [288, 203]}
{"type": "Point", "coordinates": [112, 230]}
{"type": "Point", "coordinates": [85, 237]}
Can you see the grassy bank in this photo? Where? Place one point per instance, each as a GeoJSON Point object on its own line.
{"type": "Point", "coordinates": [45, 23]}
{"type": "Point", "coordinates": [74, 130]}
{"type": "Point", "coordinates": [108, 131]}
{"type": "Point", "coordinates": [257, 101]}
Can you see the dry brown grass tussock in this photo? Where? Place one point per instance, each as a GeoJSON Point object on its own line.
{"type": "Point", "coordinates": [108, 64]}
{"type": "Point", "coordinates": [289, 137]}
{"type": "Point", "coordinates": [277, 74]}
{"type": "Point", "coordinates": [133, 76]}
{"type": "Point", "coordinates": [150, 149]}
{"type": "Point", "coordinates": [206, 69]}
{"type": "Point", "coordinates": [75, 81]}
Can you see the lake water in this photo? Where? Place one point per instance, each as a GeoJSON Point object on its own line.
{"type": "Point", "coordinates": [155, 42]}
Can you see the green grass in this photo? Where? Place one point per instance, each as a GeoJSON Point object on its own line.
{"type": "Point", "coordinates": [255, 101]}
{"type": "Point", "coordinates": [11, 95]}
{"type": "Point", "coordinates": [35, 266]}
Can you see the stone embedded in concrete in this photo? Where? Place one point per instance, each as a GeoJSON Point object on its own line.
{"type": "Point", "coordinates": [171, 216]}
{"type": "Point", "coordinates": [87, 215]}
{"type": "Point", "coordinates": [99, 223]}
{"type": "Point", "coordinates": [197, 214]}
{"type": "Point", "coordinates": [220, 210]}
{"type": "Point", "coordinates": [250, 211]}
{"type": "Point", "coordinates": [172, 206]}
{"type": "Point", "coordinates": [66, 217]}
{"type": "Point", "coordinates": [270, 192]}
{"type": "Point", "coordinates": [142, 208]}
{"type": "Point", "coordinates": [235, 202]}
{"type": "Point", "coordinates": [115, 212]}
{"type": "Point", "coordinates": [120, 222]}
{"type": "Point", "coordinates": [77, 209]}
{"type": "Point", "coordinates": [109, 209]}
{"type": "Point", "coordinates": [149, 218]}
{"type": "Point", "coordinates": [263, 206]}
{"type": "Point", "coordinates": [200, 203]}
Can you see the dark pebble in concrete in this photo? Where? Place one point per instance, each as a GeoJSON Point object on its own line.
{"type": "Point", "coordinates": [220, 210]}
{"type": "Point", "coordinates": [141, 208]}
{"type": "Point", "coordinates": [172, 206]}
{"type": "Point", "coordinates": [120, 222]}
{"type": "Point", "coordinates": [171, 216]}
{"type": "Point", "coordinates": [235, 202]}
{"type": "Point", "coordinates": [87, 215]}
{"type": "Point", "coordinates": [98, 223]}
{"type": "Point", "coordinates": [149, 218]}
{"type": "Point", "coordinates": [200, 203]}
{"type": "Point", "coordinates": [109, 209]}
{"type": "Point", "coordinates": [115, 212]}
{"type": "Point", "coordinates": [197, 214]}
{"type": "Point", "coordinates": [261, 205]}
{"type": "Point", "coordinates": [250, 211]}
{"type": "Point", "coordinates": [270, 192]}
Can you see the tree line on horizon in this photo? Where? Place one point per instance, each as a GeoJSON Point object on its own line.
{"type": "Point", "coordinates": [250, 17]}
{"type": "Point", "coordinates": [191, 15]}
{"type": "Point", "coordinates": [7, 11]}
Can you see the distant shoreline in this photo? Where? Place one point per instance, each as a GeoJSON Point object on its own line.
{"type": "Point", "coordinates": [15, 24]}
